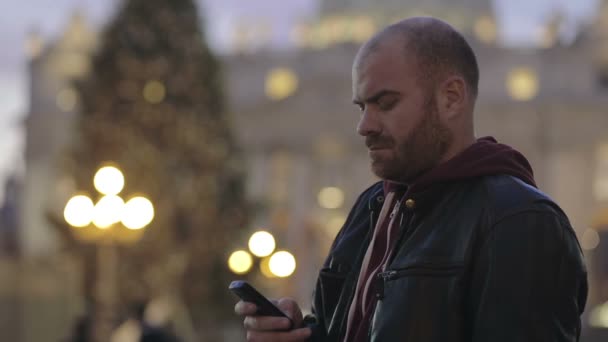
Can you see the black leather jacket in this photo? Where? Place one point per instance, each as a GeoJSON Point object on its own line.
{"type": "Point", "coordinates": [490, 259]}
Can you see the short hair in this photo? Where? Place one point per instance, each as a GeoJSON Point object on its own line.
{"type": "Point", "coordinates": [437, 47]}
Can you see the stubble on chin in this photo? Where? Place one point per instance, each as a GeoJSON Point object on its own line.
{"type": "Point", "coordinates": [385, 168]}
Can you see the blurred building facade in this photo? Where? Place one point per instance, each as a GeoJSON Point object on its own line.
{"type": "Point", "coordinates": [53, 67]}
{"type": "Point", "coordinates": [47, 282]}
{"type": "Point", "coordinates": [293, 115]}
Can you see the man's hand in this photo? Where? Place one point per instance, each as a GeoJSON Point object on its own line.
{"type": "Point", "coordinates": [273, 329]}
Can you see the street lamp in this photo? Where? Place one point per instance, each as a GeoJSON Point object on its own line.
{"type": "Point", "coordinates": [282, 264]}
{"type": "Point", "coordinates": [109, 180]}
{"type": "Point", "coordinates": [262, 244]}
{"type": "Point", "coordinates": [78, 211]}
{"type": "Point", "coordinates": [98, 223]}
{"type": "Point", "coordinates": [240, 262]}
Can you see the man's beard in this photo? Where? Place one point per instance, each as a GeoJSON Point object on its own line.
{"type": "Point", "coordinates": [421, 151]}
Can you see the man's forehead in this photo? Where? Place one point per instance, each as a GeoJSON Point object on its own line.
{"type": "Point", "coordinates": [371, 54]}
{"type": "Point", "coordinates": [382, 69]}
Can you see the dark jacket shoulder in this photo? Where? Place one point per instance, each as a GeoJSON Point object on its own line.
{"type": "Point", "coordinates": [507, 196]}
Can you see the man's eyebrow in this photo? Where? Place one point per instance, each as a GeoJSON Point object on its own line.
{"type": "Point", "coordinates": [376, 96]}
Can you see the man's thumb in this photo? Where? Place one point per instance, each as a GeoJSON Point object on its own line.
{"type": "Point", "coordinates": [291, 309]}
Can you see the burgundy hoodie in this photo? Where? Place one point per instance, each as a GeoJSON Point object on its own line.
{"type": "Point", "coordinates": [483, 158]}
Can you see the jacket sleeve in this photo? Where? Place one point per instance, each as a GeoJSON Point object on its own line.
{"type": "Point", "coordinates": [529, 282]}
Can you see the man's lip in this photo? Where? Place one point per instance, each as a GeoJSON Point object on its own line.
{"type": "Point", "coordinates": [377, 148]}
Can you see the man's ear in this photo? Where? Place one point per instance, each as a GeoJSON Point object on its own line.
{"type": "Point", "coordinates": [452, 97]}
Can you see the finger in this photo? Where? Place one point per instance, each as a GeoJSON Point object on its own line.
{"type": "Point", "coordinates": [266, 323]}
{"type": "Point", "coordinates": [291, 309]}
{"type": "Point", "coordinates": [288, 305]}
{"type": "Point", "coordinates": [295, 335]}
{"type": "Point", "coordinates": [245, 308]}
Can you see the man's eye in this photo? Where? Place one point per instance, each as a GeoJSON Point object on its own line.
{"type": "Point", "coordinates": [387, 104]}
{"type": "Point", "coordinates": [360, 106]}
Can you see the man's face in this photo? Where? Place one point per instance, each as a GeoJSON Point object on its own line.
{"type": "Point", "coordinates": [400, 120]}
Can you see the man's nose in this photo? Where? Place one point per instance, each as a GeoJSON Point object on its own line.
{"type": "Point", "coordinates": [369, 124]}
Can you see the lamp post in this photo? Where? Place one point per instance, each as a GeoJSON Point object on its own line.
{"type": "Point", "coordinates": [106, 223]}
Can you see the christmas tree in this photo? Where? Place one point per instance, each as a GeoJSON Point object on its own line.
{"type": "Point", "coordinates": [153, 105]}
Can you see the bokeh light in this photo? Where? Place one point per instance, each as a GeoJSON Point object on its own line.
{"type": "Point", "coordinates": [282, 264]}
{"type": "Point", "coordinates": [78, 211]}
{"type": "Point", "coordinates": [109, 180]}
{"type": "Point", "coordinates": [154, 92]}
{"type": "Point", "coordinates": [240, 262]}
{"type": "Point", "coordinates": [108, 211]}
{"type": "Point", "coordinates": [485, 29]}
{"type": "Point", "coordinates": [590, 239]}
{"type": "Point", "coordinates": [261, 243]}
{"type": "Point", "coordinates": [281, 83]}
{"type": "Point", "coordinates": [522, 84]}
{"type": "Point", "coordinates": [138, 212]}
{"type": "Point", "coordinates": [331, 197]}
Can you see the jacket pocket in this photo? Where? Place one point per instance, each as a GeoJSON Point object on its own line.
{"type": "Point", "coordinates": [419, 270]}
{"type": "Point", "coordinates": [330, 283]}
{"type": "Point", "coordinates": [419, 302]}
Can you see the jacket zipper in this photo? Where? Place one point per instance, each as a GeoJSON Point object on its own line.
{"type": "Point", "coordinates": [407, 217]}
{"type": "Point", "coordinates": [359, 256]}
{"type": "Point", "coordinates": [379, 280]}
{"type": "Point", "coordinates": [428, 270]}
{"type": "Point", "coordinates": [421, 269]}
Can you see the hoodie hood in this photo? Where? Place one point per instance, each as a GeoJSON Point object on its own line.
{"type": "Point", "coordinates": [485, 157]}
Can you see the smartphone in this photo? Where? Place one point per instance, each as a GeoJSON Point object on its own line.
{"type": "Point", "coordinates": [249, 294]}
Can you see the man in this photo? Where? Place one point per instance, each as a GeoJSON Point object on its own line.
{"type": "Point", "coordinates": [456, 243]}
